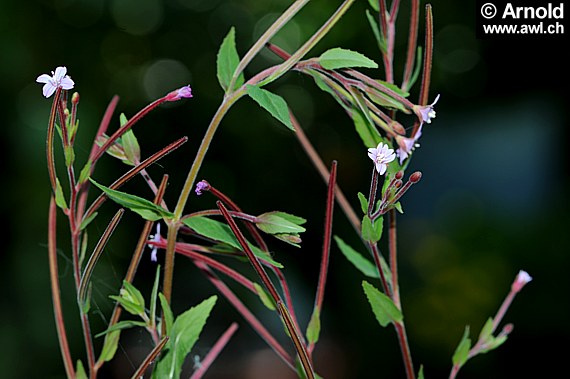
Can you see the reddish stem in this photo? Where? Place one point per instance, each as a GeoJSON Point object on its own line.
{"type": "Point", "coordinates": [326, 246]}
{"type": "Point", "coordinates": [55, 291]}
{"type": "Point", "coordinates": [214, 352]}
{"type": "Point", "coordinates": [412, 44]}
{"type": "Point", "coordinates": [246, 313]}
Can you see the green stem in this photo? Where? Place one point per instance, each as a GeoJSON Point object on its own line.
{"type": "Point", "coordinates": [315, 38]}
{"type": "Point", "coordinates": [269, 33]}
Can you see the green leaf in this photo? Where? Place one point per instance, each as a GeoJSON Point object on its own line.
{"type": "Point", "coordinates": [378, 226]}
{"type": "Point", "coordinates": [376, 31]}
{"type": "Point", "coordinates": [110, 346]}
{"type": "Point", "coordinates": [363, 202]}
{"type": "Point", "coordinates": [264, 297]}
{"type": "Point", "coordinates": [462, 351]}
{"type": "Point", "coordinates": [398, 207]}
{"type": "Point", "coordinates": [362, 264]}
{"type": "Point", "coordinates": [368, 134]}
{"type": "Point", "coordinates": [59, 197]}
{"type": "Point", "coordinates": [421, 372]}
{"type": "Point", "coordinates": [154, 296]}
{"type": "Point", "coordinates": [314, 327]}
{"type": "Point", "coordinates": [115, 150]}
{"type": "Point", "coordinates": [147, 209]}
{"type": "Point", "coordinates": [372, 231]}
{"type": "Point", "coordinates": [382, 306]}
{"type": "Point", "coordinates": [388, 101]}
{"type": "Point", "coordinates": [325, 84]}
{"type": "Point", "coordinates": [486, 330]}
{"type": "Point", "coordinates": [131, 147]}
{"type": "Point", "coordinates": [126, 324]}
{"type": "Point", "coordinates": [80, 371]}
{"type": "Point", "coordinates": [272, 103]}
{"type": "Point", "coordinates": [375, 5]}
{"type": "Point", "coordinates": [69, 155]}
{"type": "Point", "coordinates": [221, 232]}
{"type": "Point", "coordinates": [85, 171]}
{"type": "Point", "coordinates": [166, 313]}
{"type": "Point", "coordinates": [227, 61]}
{"type": "Point", "coordinates": [88, 220]}
{"type": "Point", "coordinates": [184, 334]}
{"type": "Point", "coordinates": [493, 343]}
{"type": "Point", "coordinates": [277, 223]}
{"type": "Point", "coordinates": [130, 299]}
{"type": "Point", "coordinates": [342, 58]}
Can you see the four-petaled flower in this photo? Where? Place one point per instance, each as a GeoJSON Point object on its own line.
{"type": "Point", "coordinates": [183, 92]}
{"type": "Point", "coordinates": [56, 80]}
{"type": "Point", "coordinates": [381, 155]}
{"type": "Point", "coordinates": [155, 238]}
{"type": "Point", "coordinates": [522, 278]}
{"type": "Point", "coordinates": [407, 145]}
{"type": "Point", "coordinates": [426, 113]}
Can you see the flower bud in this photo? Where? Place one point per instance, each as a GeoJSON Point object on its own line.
{"type": "Point", "coordinates": [75, 98]}
{"type": "Point", "coordinates": [399, 174]}
{"type": "Point", "coordinates": [202, 186]}
{"type": "Point", "coordinates": [415, 177]}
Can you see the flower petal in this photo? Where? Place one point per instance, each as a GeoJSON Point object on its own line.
{"type": "Point", "coordinates": [67, 83]}
{"type": "Point", "coordinates": [60, 73]}
{"type": "Point", "coordinates": [43, 78]}
{"type": "Point", "coordinates": [48, 89]}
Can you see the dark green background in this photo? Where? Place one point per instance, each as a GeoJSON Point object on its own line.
{"type": "Point", "coordinates": [492, 200]}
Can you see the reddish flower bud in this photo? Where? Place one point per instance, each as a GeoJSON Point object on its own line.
{"type": "Point", "coordinates": [415, 177]}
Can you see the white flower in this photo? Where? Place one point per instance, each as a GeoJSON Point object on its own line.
{"type": "Point", "coordinates": [56, 80]}
{"type": "Point", "coordinates": [407, 145]}
{"type": "Point", "coordinates": [426, 113]}
{"type": "Point", "coordinates": [155, 238]}
{"type": "Point", "coordinates": [381, 155]}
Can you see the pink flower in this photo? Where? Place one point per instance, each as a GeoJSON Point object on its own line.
{"type": "Point", "coordinates": [522, 278]}
{"type": "Point", "coordinates": [183, 92]}
{"type": "Point", "coordinates": [426, 113]}
{"type": "Point", "coordinates": [56, 80]}
{"type": "Point", "coordinates": [407, 145]}
{"type": "Point", "coordinates": [381, 155]}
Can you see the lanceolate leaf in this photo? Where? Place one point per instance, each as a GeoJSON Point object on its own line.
{"type": "Point", "coordinates": [462, 351]}
{"type": "Point", "coordinates": [221, 232]}
{"type": "Point", "coordinates": [382, 306]}
{"type": "Point", "coordinates": [227, 61]}
{"type": "Point", "coordinates": [110, 345]}
{"type": "Point", "coordinates": [184, 334]}
{"type": "Point", "coordinates": [168, 317]}
{"type": "Point", "coordinates": [368, 134]}
{"type": "Point", "coordinates": [126, 324]}
{"type": "Point", "coordinates": [272, 103]}
{"type": "Point", "coordinates": [147, 209]}
{"type": "Point", "coordinates": [314, 327]}
{"type": "Point", "coordinates": [362, 264]}
{"type": "Point", "coordinates": [264, 297]}
{"type": "Point", "coordinates": [363, 202]}
{"type": "Point", "coordinates": [342, 58]}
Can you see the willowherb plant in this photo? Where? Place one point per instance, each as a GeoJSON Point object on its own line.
{"type": "Point", "coordinates": [372, 104]}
